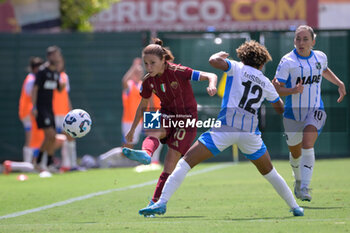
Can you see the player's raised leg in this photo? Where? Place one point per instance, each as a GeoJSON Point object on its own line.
{"type": "Point", "coordinates": [149, 146]}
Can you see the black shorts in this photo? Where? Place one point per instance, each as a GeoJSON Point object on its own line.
{"type": "Point", "coordinates": [45, 118]}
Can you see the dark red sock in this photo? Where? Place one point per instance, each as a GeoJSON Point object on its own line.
{"type": "Point", "coordinates": [161, 181]}
{"type": "Point", "coordinates": [150, 145]}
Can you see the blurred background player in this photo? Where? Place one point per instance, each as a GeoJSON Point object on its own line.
{"type": "Point", "coordinates": [171, 83]}
{"type": "Point", "coordinates": [299, 77]}
{"type": "Point", "coordinates": [47, 79]}
{"type": "Point", "coordinates": [131, 82]}
{"type": "Point", "coordinates": [61, 106]}
{"type": "Point", "coordinates": [26, 105]}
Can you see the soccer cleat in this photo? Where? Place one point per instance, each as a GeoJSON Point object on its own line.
{"type": "Point", "coordinates": [137, 155]}
{"type": "Point", "coordinates": [156, 208]}
{"type": "Point", "coordinates": [7, 167]}
{"type": "Point", "coordinates": [297, 189]}
{"type": "Point", "coordinates": [298, 211]}
{"type": "Point", "coordinates": [305, 195]}
{"type": "Point", "coordinates": [151, 215]}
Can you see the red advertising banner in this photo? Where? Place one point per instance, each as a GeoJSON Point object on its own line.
{"type": "Point", "coordinates": [203, 15]}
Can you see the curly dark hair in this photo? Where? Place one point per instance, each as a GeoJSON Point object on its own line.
{"type": "Point", "coordinates": [253, 54]}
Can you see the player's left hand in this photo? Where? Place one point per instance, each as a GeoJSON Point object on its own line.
{"type": "Point", "coordinates": [211, 90]}
{"type": "Point", "coordinates": [342, 92]}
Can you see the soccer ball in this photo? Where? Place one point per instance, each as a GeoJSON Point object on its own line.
{"type": "Point", "coordinates": [77, 123]}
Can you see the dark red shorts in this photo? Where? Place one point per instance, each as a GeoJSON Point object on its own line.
{"type": "Point", "coordinates": [179, 138]}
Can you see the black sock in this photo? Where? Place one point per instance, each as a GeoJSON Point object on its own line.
{"type": "Point", "coordinates": [40, 156]}
{"type": "Point", "coordinates": [49, 160]}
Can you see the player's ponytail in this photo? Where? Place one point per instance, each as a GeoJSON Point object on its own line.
{"type": "Point", "coordinates": [157, 49]}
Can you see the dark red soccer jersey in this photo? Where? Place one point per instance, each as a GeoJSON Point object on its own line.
{"type": "Point", "coordinates": [173, 88]}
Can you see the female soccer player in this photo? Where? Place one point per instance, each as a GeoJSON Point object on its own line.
{"type": "Point", "coordinates": [246, 88]}
{"type": "Point", "coordinates": [171, 83]}
{"type": "Point", "coordinates": [26, 105]}
{"type": "Point", "coordinates": [299, 77]}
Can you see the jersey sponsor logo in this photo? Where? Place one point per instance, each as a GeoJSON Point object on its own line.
{"type": "Point", "coordinates": [50, 85]}
{"type": "Point", "coordinates": [309, 80]}
{"type": "Point", "coordinates": [174, 85]}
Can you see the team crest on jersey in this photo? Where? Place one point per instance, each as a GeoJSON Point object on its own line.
{"type": "Point", "coordinates": [318, 65]}
{"type": "Point", "coordinates": [162, 87]}
{"type": "Point", "coordinates": [174, 85]}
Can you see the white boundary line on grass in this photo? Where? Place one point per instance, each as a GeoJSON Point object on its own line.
{"type": "Point", "coordinates": [72, 200]}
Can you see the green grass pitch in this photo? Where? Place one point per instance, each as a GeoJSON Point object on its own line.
{"type": "Point", "coordinates": [229, 198]}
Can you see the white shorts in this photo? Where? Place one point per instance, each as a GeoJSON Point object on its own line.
{"type": "Point", "coordinates": [125, 129]}
{"type": "Point", "coordinates": [294, 129]}
{"type": "Point", "coordinates": [59, 123]}
{"type": "Point", "coordinates": [218, 139]}
{"type": "Point", "coordinates": [27, 123]}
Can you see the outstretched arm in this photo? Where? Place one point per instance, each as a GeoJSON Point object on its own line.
{"type": "Point", "coordinates": [217, 60]}
{"type": "Point", "coordinates": [135, 70]}
{"type": "Point", "coordinates": [330, 76]}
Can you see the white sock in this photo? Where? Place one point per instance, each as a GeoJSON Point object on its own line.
{"type": "Point", "coordinates": [156, 154]}
{"type": "Point", "coordinates": [27, 154]}
{"type": "Point", "coordinates": [295, 164]}
{"type": "Point", "coordinates": [65, 155]}
{"type": "Point", "coordinates": [281, 187]}
{"type": "Point", "coordinates": [174, 181]}
{"type": "Point", "coordinates": [72, 148]}
{"type": "Point", "coordinates": [115, 152]}
{"type": "Point", "coordinates": [307, 162]}
{"type": "Point", "coordinates": [22, 166]}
